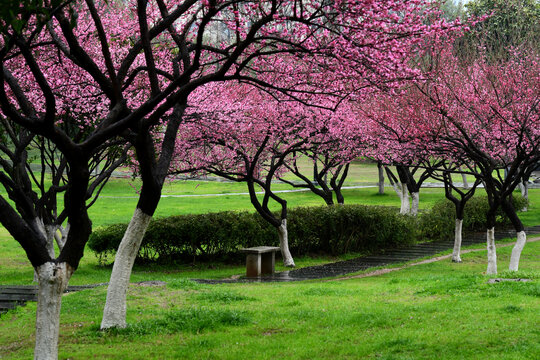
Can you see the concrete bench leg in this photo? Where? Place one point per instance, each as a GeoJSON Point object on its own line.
{"type": "Point", "coordinates": [260, 264]}
{"type": "Point", "coordinates": [253, 265]}
{"type": "Point", "coordinates": [268, 262]}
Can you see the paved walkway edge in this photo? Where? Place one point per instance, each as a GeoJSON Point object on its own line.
{"type": "Point", "coordinates": [427, 261]}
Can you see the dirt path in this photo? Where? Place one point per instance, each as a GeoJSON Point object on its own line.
{"type": "Point", "coordinates": [427, 261]}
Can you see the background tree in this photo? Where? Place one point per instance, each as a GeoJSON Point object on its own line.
{"type": "Point", "coordinates": [488, 114]}
{"type": "Point", "coordinates": [245, 135]}
{"type": "Point", "coordinates": [511, 24]}
{"type": "Point", "coordinates": [140, 62]}
{"type": "Point", "coordinates": [331, 154]}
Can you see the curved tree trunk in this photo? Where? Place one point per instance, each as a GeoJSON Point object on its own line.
{"type": "Point", "coordinates": [457, 240]}
{"type": "Point", "coordinates": [520, 232]}
{"type": "Point", "coordinates": [516, 251]}
{"type": "Point", "coordinates": [415, 203]}
{"type": "Point", "coordinates": [53, 280]}
{"type": "Point", "coordinates": [491, 252]}
{"type": "Point", "coordinates": [114, 313]}
{"type": "Point", "coordinates": [284, 244]}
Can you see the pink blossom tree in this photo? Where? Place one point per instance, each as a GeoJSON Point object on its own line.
{"type": "Point", "coordinates": [458, 196]}
{"type": "Point", "coordinates": [245, 135]}
{"type": "Point", "coordinates": [481, 113]}
{"type": "Point", "coordinates": [135, 65]}
{"type": "Point", "coordinates": [390, 139]}
{"type": "Point", "coordinates": [331, 154]}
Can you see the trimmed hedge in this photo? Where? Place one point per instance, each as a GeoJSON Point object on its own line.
{"type": "Point", "coordinates": [439, 222]}
{"type": "Point", "coordinates": [325, 229]}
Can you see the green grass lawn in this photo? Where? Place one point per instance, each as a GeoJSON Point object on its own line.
{"type": "Point", "coordinates": [119, 199]}
{"type": "Point", "coordinates": [438, 310]}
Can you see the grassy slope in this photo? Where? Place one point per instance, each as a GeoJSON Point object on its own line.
{"type": "Point", "coordinates": [437, 310]}
{"type": "Point", "coordinates": [434, 310]}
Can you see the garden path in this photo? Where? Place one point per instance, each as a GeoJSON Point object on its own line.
{"type": "Point", "coordinates": [384, 258]}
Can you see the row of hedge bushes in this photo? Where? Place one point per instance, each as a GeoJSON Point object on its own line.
{"type": "Point", "coordinates": [439, 222]}
{"type": "Point", "coordinates": [312, 230]}
{"type": "Point", "coordinates": [331, 230]}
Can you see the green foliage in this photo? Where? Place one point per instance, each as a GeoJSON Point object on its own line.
{"type": "Point", "coordinates": [348, 228]}
{"type": "Point", "coordinates": [330, 230]}
{"type": "Point", "coordinates": [439, 222]}
{"type": "Point", "coordinates": [15, 13]}
{"type": "Point", "coordinates": [512, 24]}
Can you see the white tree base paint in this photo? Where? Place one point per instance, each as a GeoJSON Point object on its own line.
{"type": "Point", "coordinates": [415, 203]}
{"type": "Point", "coordinates": [404, 197]}
{"type": "Point", "coordinates": [516, 251]}
{"type": "Point", "coordinates": [465, 182]}
{"type": "Point", "coordinates": [114, 313]}
{"type": "Point", "coordinates": [284, 244]}
{"type": "Point", "coordinates": [457, 241]}
{"type": "Point", "coordinates": [491, 252]}
{"type": "Point", "coordinates": [53, 280]}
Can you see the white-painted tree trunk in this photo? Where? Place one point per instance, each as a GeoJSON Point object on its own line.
{"type": "Point", "coordinates": [491, 252]}
{"type": "Point", "coordinates": [53, 280]}
{"type": "Point", "coordinates": [284, 244]}
{"type": "Point", "coordinates": [464, 180]}
{"type": "Point", "coordinates": [457, 241]}
{"type": "Point", "coordinates": [524, 188]}
{"type": "Point", "coordinates": [114, 313]}
{"type": "Point", "coordinates": [516, 251]}
{"type": "Point", "coordinates": [415, 196]}
{"type": "Point", "coordinates": [404, 197]}
{"type": "Point", "coordinates": [381, 180]}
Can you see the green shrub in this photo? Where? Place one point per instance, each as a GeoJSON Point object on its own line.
{"type": "Point", "coordinates": [331, 230]}
{"type": "Point", "coordinates": [439, 222]}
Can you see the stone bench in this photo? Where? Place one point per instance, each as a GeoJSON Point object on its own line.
{"type": "Point", "coordinates": [260, 260]}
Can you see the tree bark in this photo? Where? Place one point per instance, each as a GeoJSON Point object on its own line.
{"type": "Point", "coordinates": [516, 251]}
{"type": "Point", "coordinates": [381, 178]}
{"type": "Point", "coordinates": [284, 244]}
{"type": "Point", "coordinates": [415, 203]}
{"type": "Point", "coordinates": [465, 182]}
{"type": "Point", "coordinates": [53, 280]}
{"type": "Point", "coordinates": [48, 234]}
{"type": "Point", "coordinates": [458, 232]}
{"type": "Point", "coordinates": [404, 197]}
{"type": "Point", "coordinates": [62, 236]}
{"type": "Point", "coordinates": [114, 313]}
{"type": "Point", "coordinates": [491, 252]}
{"type": "Point", "coordinates": [520, 232]}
